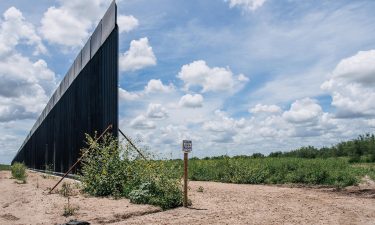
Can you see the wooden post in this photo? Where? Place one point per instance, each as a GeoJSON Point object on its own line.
{"type": "Point", "coordinates": [186, 179]}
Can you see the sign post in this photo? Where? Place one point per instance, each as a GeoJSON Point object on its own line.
{"type": "Point", "coordinates": [186, 148]}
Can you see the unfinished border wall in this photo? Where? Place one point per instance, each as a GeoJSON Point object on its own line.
{"type": "Point", "coordinates": [85, 101]}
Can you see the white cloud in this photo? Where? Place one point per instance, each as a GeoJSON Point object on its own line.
{"type": "Point", "coordinates": [138, 56]}
{"type": "Point", "coordinates": [191, 101]}
{"type": "Point", "coordinates": [128, 96]}
{"type": "Point", "coordinates": [127, 23]}
{"type": "Point", "coordinates": [223, 128]}
{"type": "Point", "coordinates": [259, 108]}
{"type": "Point", "coordinates": [25, 85]}
{"type": "Point", "coordinates": [304, 110]}
{"type": "Point", "coordinates": [246, 4]}
{"type": "Point", "coordinates": [15, 30]}
{"type": "Point", "coordinates": [156, 86]}
{"type": "Point", "coordinates": [69, 24]}
{"type": "Point", "coordinates": [243, 78]}
{"type": "Point", "coordinates": [359, 68]}
{"type": "Point", "coordinates": [198, 73]}
{"type": "Point", "coordinates": [156, 111]}
{"type": "Point", "coordinates": [352, 85]}
{"type": "Point", "coordinates": [142, 123]}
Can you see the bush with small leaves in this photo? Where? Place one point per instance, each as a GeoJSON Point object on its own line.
{"type": "Point", "coordinates": [108, 169]}
{"type": "Point", "coordinates": [19, 172]}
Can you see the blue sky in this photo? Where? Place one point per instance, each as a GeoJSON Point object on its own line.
{"type": "Point", "coordinates": [235, 76]}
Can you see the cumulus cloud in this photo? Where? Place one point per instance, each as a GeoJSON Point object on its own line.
{"type": "Point", "coordinates": [138, 56]}
{"type": "Point", "coordinates": [156, 111]}
{"type": "Point", "coordinates": [199, 74]}
{"type": "Point", "coordinates": [223, 128]}
{"type": "Point", "coordinates": [14, 30]}
{"type": "Point", "coordinates": [250, 5]}
{"type": "Point", "coordinates": [69, 23]}
{"type": "Point", "coordinates": [13, 112]}
{"type": "Point", "coordinates": [127, 96]}
{"type": "Point", "coordinates": [243, 78]}
{"type": "Point", "coordinates": [352, 85]}
{"type": "Point", "coordinates": [359, 68]}
{"type": "Point", "coordinates": [142, 123]}
{"type": "Point", "coordinates": [259, 108]}
{"type": "Point", "coordinates": [304, 110]}
{"type": "Point", "coordinates": [127, 23]}
{"type": "Point", "coordinates": [153, 87]}
{"type": "Point", "coordinates": [25, 85]}
{"type": "Point", "coordinates": [191, 101]}
{"type": "Point", "coordinates": [156, 86]}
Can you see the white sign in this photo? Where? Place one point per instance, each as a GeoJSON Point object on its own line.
{"type": "Point", "coordinates": [187, 145]}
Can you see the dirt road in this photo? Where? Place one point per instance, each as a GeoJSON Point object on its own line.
{"type": "Point", "coordinates": [218, 204]}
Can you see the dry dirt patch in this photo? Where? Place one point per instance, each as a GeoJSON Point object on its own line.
{"type": "Point", "coordinates": [218, 204]}
{"type": "Point", "coordinates": [221, 203]}
{"type": "Point", "coordinates": [30, 203]}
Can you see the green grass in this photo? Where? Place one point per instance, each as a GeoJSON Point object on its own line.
{"type": "Point", "coordinates": [332, 171]}
{"type": "Point", "coordinates": [4, 167]}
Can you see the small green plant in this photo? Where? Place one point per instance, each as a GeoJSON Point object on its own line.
{"type": "Point", "coordinates": [67, 191]}
{"type": "Point", "coordinates": [69, 210]}
{"type": "Point", "coordinates": [200, 189]}
{"type": "Point", "coordinates": [19, 172]}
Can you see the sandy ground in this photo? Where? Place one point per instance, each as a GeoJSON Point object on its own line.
{"type": "Point", "coordinates": [218, 204]}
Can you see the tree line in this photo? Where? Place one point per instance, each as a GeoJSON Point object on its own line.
{"type": "Point", "coordinates": [360, 149]}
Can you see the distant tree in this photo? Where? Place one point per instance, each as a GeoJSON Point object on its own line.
{"type": "Point", "coordinates": [275, 154]}
{"type": "Point", "coordinates": [257, 155]}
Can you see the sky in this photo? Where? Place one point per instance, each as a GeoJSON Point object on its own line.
{"type": "Point", "coordinates": [234, 76]}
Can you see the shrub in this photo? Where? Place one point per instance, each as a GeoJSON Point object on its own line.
{"type": "Point", "coordinates": [102, 169]}
{"type": "Point", "coordinates": [19, 172]}
{"type": "Point", "coordinates": [108, 169]}
{"type": "Point", "coordinates": [153, 182]}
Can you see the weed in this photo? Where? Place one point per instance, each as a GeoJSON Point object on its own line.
{"type": "Point", "coordinates": [19, 172]}
{"type": "Point", "coordinates": [69, 210]}
{"type": "Point", "coordinates": [200, 189]}
{"type": "Point", "coordinates": [67, 191]}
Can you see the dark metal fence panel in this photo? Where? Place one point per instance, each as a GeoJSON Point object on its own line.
{"type": "Point", "coordinates": [84, 104]}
